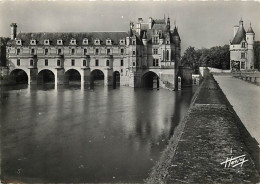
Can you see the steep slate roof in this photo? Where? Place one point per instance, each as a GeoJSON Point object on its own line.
{"type": "Point", "coordinates": [240, 35]}
{"type": "Point", "coordinates": [66, 37]}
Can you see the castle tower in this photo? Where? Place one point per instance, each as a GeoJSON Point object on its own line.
{"type": "Point", "coordinates": [250, 38]}
{"type": "Point", "coordinates": [13, 27]}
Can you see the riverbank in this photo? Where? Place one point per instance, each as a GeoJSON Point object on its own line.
{"type": "Point", "coordinates": [207, 136]}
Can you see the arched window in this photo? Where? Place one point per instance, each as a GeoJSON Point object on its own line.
{"type": "Point", "coordinates": [163, 56]}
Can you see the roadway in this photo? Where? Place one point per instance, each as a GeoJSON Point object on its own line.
{"type": "Point", "coordinates": [245, 99]}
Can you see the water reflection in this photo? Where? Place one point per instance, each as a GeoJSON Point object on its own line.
{"type": "Point", "coordinates": [76, 134]}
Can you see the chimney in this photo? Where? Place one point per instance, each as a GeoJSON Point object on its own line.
{"type": "Point", "coordinates": [150, 22]}
{"type": "Point", "coordinates": [13, 27]}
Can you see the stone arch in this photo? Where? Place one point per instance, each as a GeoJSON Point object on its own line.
{"type": "Point", "coordinates": [72, 76]}
{"type": "Point", "coordinates": [96, 76]}
{"type": "Point", "coordinates": [19, 76]}
{"type": "Point", "coordinates": [116, 78]}
{"type": "Point", "coordinates": [45, 76]}
{"type": "Point", "coordinates": [150, 80]}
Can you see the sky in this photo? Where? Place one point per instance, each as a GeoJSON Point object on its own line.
{"type": "Point", "coordinates": [200, 24]}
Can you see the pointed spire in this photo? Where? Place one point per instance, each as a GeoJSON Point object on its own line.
{"type": "Point", "coordinates": [241, 22]}
{"type": "Point", "coordinates": [131, 29]}
{"type": "Point", "coordinates": [250, 29]}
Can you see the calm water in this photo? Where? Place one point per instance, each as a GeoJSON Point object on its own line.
{"type": "Point", "coordinates": [72, 134]}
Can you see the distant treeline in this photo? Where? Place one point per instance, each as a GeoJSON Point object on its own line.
{"type": "Point", "coordinates": [216, 57]}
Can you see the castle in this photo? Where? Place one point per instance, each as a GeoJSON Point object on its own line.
{"type": "Point", "coordinates": [242, 48]}
{"type": "Point", "coordinates": [149, 52]}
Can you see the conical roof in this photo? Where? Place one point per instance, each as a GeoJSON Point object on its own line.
{"type": "Point", "coordinates": [250, 29]}
{"type": "Point", "coordinates": [240, 35]}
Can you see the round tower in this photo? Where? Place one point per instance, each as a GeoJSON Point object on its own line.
{"type": "Point", "coordinates": [250, 39]}
{"type": "Point", "coordinates": [13, 27]}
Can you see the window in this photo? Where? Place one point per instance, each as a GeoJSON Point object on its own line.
{"type": "Point", "coordinates": [97, 42]}
{"type": "Point", "coordinates": [18, 51]}
{"type": "Point", "coordinates": [59, 51]}
{"type": "Point", "coordinates": [122, 51]}
{"type": "Point", "coordinates": [32, 51]}
{"type": "Point", "coordinates": [107, 62]}
{"type": "Point", "coordinates": [243, 45]}
{"type": "Point", "coordinates": [18, 62]}
{"type": "Point", "coordinates": [58, 62]}
{"type": "Point", "coordinates": [122, 72]}
{"type": "Point", "coordinates": [46, 51]}
{"type": "Point", "coordinates": [72, 62]}
{"type": "Point", "coordinates": [46, 62]}
{"type": "Point", "coordinates": [155, 62]}
{"type": "Point", "coordinates": [108, 51]}
{"type": "Point", "coordinates": [155, 39]}
{"type": "Point", "coordinates": [96, 62]}
{"type": "Point", "coordinates": [167, 55]}
{"type": "Point", "coordinates": [243, 55]}
{"type": "Point", "coordinates": [108, 42]}
{"type": "Point", "coordinates": [31, 62]}
{"type": "Point", "coordinates": [72, 51]}
{"type": "Point", "coordinates": [97, 51]}
{"type": "Point", "coordinates": [84, 63]}
{"type": "Point", "coordinates": [133, 42]}
{"type": "Point", "coordinates": [133, 52]}
{"type": "Point", "coordinates": [242, 65]}
{"type": "Point", "coordinates": [122, 62]}
{"type": "Point", "coordinates": [85, 51]}
{"type": "Point", "coordinates": [167, 42]}
{"type": "Point", "coordinates": [122, 42]}
{"type": "Point", "coordinates": [155, 51]}
{"type": "Point", "coordinates": [133, 63]}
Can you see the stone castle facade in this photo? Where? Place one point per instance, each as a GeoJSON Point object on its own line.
{"type": "Point", "coordinates": [148, 49]}
{"type": "Point", "coordinates": [242, 48]}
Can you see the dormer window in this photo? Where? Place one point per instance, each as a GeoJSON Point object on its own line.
{"type": "Point", "coordinates": [46, 42]}
{"type": "Point", "coordinates": [108, 42]}
{"type": "Point", "coordinates": [167, 42]}
{"type": "Point", "coordinates": [18, 42]}
{"type": "Point", "coordinates": [134, 42]}
{"type": "Point", "coordinates": [73, 42]}
{"type": "Point", "coordinates": [85, 41]}
{"type": "Point", "coordinates": [33, 42]}
{"type": "Point", "coordinates": [122, 42]}
{"type": "Point", "coordinates": [155, 39]}
{"type": "Point", "coordinates": [243, 45]}
{"type": "Point", "coordinates": [97, 42]}
{"type": "Point", "coordinates": [59, 42]}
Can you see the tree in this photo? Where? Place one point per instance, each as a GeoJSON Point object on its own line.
{"type": "Point", "coordinates": [3, 44]}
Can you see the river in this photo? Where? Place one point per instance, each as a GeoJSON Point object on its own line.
{"type": "Point", "coordinates": [73, 134]}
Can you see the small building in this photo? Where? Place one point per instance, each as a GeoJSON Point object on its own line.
{"type": "Point", "coordinates": [242, 48]}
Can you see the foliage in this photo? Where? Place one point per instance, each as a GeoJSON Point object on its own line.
{"type": "Point", "coordinates": [3, 43]}
{"type": "Point", "coordinates": [217, 57]}
{"type": "Point", "coordinates": [257, 55]}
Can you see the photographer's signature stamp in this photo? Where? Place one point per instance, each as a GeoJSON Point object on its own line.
{"type": "Point", "coordinates": [234, 161]}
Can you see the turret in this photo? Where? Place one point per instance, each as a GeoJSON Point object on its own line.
{"type": "Point", "coordinates": [250, 36]}
{"type": "Point", "coordinates": [176, 36]}
{"type": "Point", "coordinates": [13, 27]}
{"type": "Point", "coordinates": [168, 24]}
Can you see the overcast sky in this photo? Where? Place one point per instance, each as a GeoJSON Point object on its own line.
{"type": "Point", "coordinates": [201, 24]}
